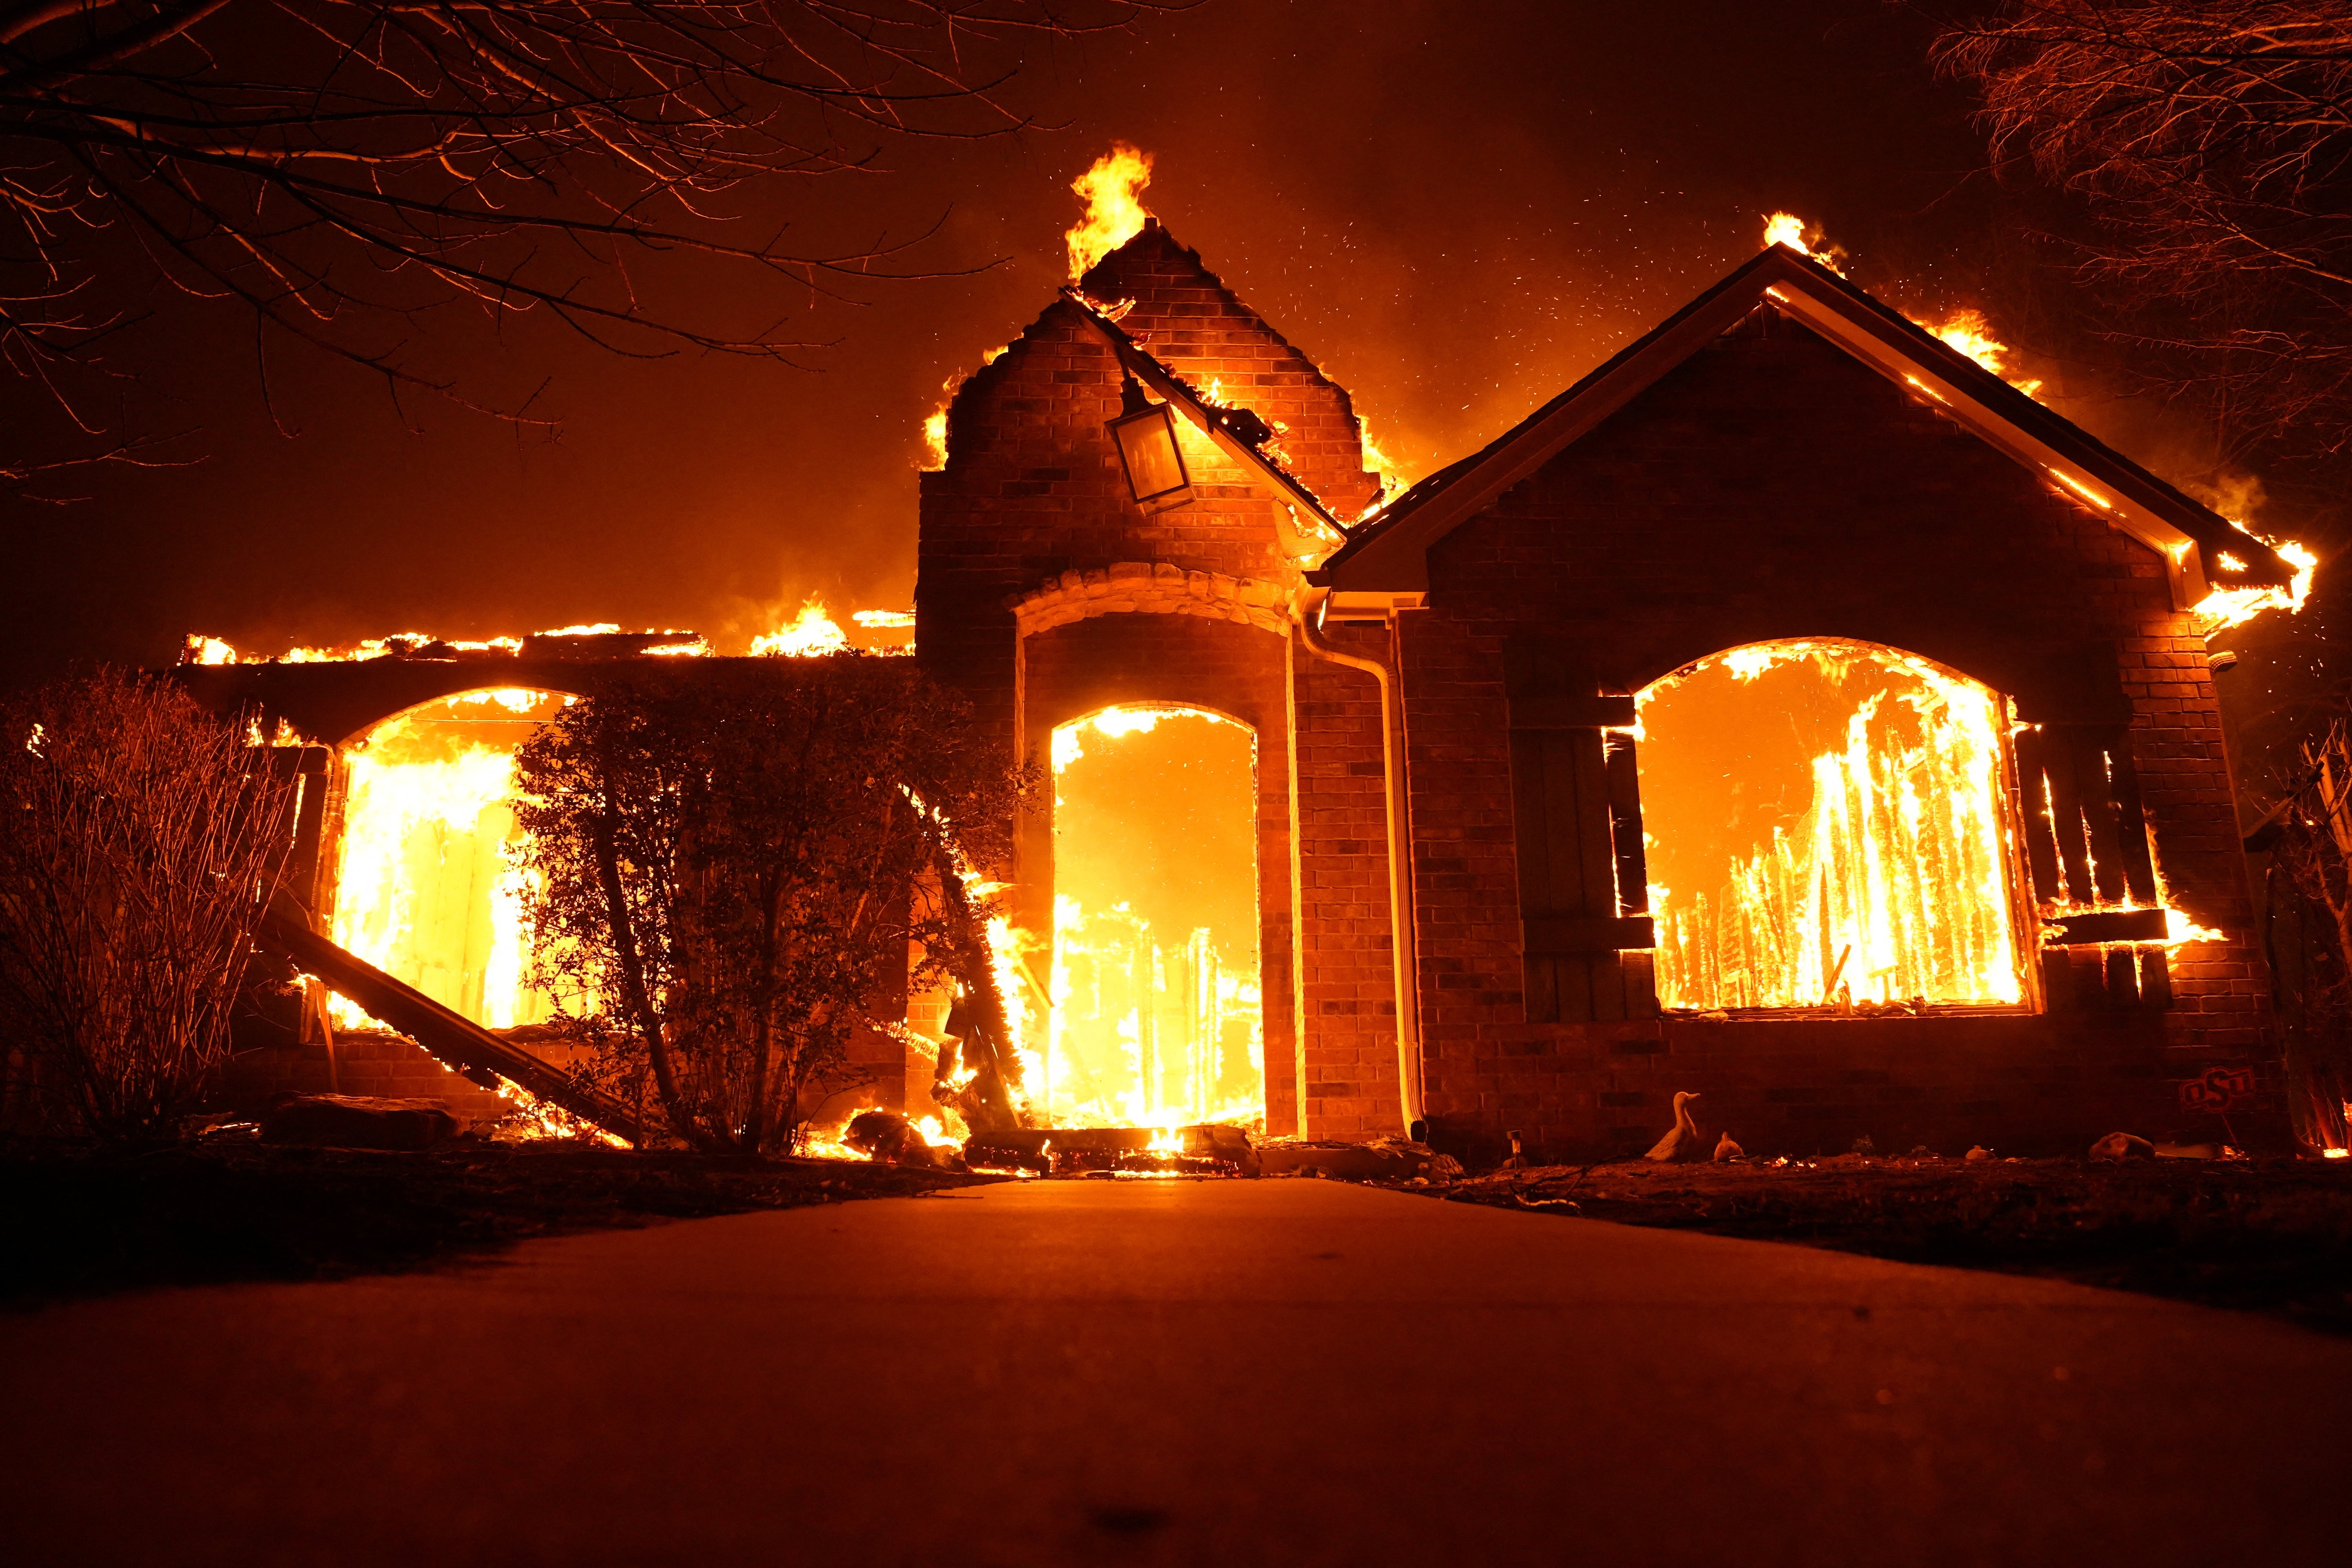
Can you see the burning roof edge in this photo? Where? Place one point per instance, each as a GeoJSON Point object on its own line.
{"type": "Point", "coordinates": [1389, 555]}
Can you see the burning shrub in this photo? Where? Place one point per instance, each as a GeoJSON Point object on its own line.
{"type": "Point", "coordinates": [143, 842]}
{"type": "Point", "coordinates": [730, 871]}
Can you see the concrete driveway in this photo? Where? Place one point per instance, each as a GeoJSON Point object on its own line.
{"type": "Point", "coordinates": [1281, 1372]}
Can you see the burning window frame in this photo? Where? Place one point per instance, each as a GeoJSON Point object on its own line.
{"type": "Point", "coordinates": [2020, 917]}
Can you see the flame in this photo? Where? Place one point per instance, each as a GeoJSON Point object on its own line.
{"type": "Point", "coordinates": [1113, 189]}
{"type": "Point", "coordinates": [935, 439]}
{"type": "Point", "coordinates": [201, 649]}
{"type": "Point", "coordinates": [1786, 229]}
{"type": "Point", "coordinates": [428, 891]}
{"type": "Point", "coordinates": [812, 635]}
{"type": "Point", "coordinates": [1141, 1027]}
{"type": "Point", "coordinates": [1893, 883]}
{"type": "Point", "coordinates": [2225, 608]}
{"type": "Point", "coordinates": [534, 1119]}
{"type": "Point", "coordinates": [1969, 333]}
{"type": "Point", "coordinates": [885, 620]}
{"type": "Point", "coordinates": [1378, 461]}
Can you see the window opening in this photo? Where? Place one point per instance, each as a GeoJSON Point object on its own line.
{"type": "Point", "coordinates": [1827, 826]}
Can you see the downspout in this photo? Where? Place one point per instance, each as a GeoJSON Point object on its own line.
{"type": "Point", "coordinates": [1307, 612]}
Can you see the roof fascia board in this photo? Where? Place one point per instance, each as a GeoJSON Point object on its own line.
{"type": "Point", "coordinates": [1177, 395]}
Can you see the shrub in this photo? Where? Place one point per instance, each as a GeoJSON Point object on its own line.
{"type": "Point", "coordinates": [143, 837]}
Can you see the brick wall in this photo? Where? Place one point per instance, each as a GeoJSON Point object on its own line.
{"type": "Point", "coordinates": [1033, 485]}
{"type": "Point", "coordinates": [1772, 488]}
{"type": "Point", "coordinates": [368, 1064]}
{"type": "Point", "coordinates": [1347, 991]}
{"type": "Point", "coordinates": [1126, 605]}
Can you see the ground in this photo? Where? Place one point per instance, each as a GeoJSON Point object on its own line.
{"type": "Point", "coordinates": [2267, 1234]}
{"type": "Point", "coordinates": [83, 1223]}
{"type": "Point", "coordinates": [1294, 1371]}
{"type": "Point", "coordinates": [2271, 1235]}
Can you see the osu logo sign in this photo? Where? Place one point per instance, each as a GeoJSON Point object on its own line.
{"type": "Point", "coordinates": [2219, 1089]}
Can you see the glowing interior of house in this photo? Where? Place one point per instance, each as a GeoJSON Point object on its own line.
{"type": "Point", "coordinates": [1155, 971]}
{"type": "Point", "coordinates": [1827, 822]}
{"type": "Point", "coordinates": [427, 889]}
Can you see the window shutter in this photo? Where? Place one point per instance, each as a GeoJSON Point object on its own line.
{"type": "Point", "coordinates": [1583, 888]}
{"type": "Point", "coordinates": [2093, 878]}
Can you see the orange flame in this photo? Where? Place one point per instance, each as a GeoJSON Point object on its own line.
{"type": "Point", "coordinates": [812, 635]}
{"type": "Point", "coordinates": [1144, 1028]}
{"type": "Point", "coordinates": [1786, 229]}
{"type": "Point", "coordinates": [1889, 887]}
{"type": "Point", "coordinates": [1113, 189]}
{"type": "Point", "coordinates": [2224, 607]}
{"type": "Point", "coordinates": [428, 889]}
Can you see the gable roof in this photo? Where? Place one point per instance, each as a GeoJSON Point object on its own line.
{"type": "Point", "coordinates": [1389, 555]}
{"type": "Point", "coordinates": [1216, 422]}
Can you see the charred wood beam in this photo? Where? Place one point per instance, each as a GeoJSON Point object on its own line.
{"type": "Point", "coordinates": [448, 1037]}
{"type": "Point", "coordinates": [2102, 926]}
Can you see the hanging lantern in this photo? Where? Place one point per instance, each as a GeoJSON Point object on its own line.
{"type": "Point", "coordinates": [1146, 435]}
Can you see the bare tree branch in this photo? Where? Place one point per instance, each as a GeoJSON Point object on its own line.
{"type": "Point", "coordinates": [2213, 141]}
{"type": "Point", "coordinates": [340, 168]}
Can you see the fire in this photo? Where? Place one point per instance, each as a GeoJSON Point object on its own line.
{"type": "Point", "coordinates": [935, 439]}
{"type": "Point", "coordinates": [1153, 1016]}
{"type": "Point", "coordinates": [812, 635]}
{"type": "Point", "coordinates": [2225, 608]}
{"type": "Point", "coordinates": [1378, 461]}
{"type": "Point", "coordinates": [1874, 870]}
{"type": "Point", "coordinates": [1786, 229]}
{"type": "Point", "coordinates": [427, 891]}
{"type": "Point", "coordinates": [202, 650]}
{"type": "Point", "coordinates": [1969, 333]}
{"type": "Point", "coordinates": [1113, 189]}
{"type": "Point", "coordinates": [534, 1119]}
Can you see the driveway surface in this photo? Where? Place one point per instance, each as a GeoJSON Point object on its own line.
{"type": "Point", "coordinates": [1281, 1372]}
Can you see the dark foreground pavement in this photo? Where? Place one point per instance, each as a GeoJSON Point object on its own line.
{"type": "Point", "coordinates": [1282, 1373]}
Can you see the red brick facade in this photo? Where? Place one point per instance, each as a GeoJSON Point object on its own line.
{"type": "Point", "coordinates": [1770, 488]}
{"type": "Point", "coordinates": [1032, 494]}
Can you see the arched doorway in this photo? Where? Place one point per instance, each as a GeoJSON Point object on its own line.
{"type": "Point", "coordinates": [426, 887]}
{"type": "Point", "coordinates": [1157, 1014]}
{"type": "Point", "coordinates": [1828, 825]}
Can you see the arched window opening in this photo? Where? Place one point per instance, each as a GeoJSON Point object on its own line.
{"type": "Point", "coordinates": [1828, 826]}
{"type": "Point", "coordinates": [426, 888]}
{"type": "Point", "coordinates": [1157, 1016]}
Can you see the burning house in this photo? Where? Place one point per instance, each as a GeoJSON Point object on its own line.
{"type": "Point", "coordinates": [1792, 711]}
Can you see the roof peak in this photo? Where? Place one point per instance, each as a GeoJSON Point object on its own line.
{"type": "Point", "coordinates": [2192, 539]}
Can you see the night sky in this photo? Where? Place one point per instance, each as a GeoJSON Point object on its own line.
{"type": "Point", "coordinates": [1454, 209]}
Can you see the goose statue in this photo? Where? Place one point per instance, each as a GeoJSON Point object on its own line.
{"type": "Point", "coordinates": [1682, 1143]}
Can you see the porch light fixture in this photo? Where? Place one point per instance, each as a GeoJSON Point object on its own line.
{"type": "Point", "coordinates": [1146, 434]}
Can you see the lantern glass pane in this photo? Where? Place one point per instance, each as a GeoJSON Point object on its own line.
{"type": "Point", "coordinates": [1149, 445]}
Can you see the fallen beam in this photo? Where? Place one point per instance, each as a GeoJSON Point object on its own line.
{"type": "Point", "coordinates": [450, 1037]}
